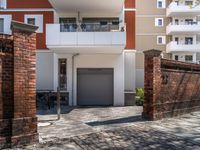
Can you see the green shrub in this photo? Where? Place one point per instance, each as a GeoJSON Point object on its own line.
{"type": "Point", "coordinates": [139, 96]}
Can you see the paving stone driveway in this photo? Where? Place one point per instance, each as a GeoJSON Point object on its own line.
{"type": "Point", "coordinates": [118, 128]}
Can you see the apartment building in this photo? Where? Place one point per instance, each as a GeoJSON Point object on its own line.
{"type": "Point", "coordinates": [84, 47]}
{"type": "Point", "coordinates": [168, 25]}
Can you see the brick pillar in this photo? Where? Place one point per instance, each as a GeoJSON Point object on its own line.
{"type": "Point", "coordinates": [151, 82]}
{"type": "Point", "coordinates": [1, 101]}
{"type": "Point", "coordinates": [20, 128]}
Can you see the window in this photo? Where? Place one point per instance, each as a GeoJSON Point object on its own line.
{"type": "Point", "coordinates": [161, 4]}
{"type": "Point", "coordinates": [31, 21]}
{"type": "Point", "coordinates": [67, 24]}
{"type": "Point", "coordinates": [62, 74]}
{"type": "Point", "coordinates": [1, 25]}
{"type": "Point", "coordinates": [177, 40]}
{"type": "Point", "coordinates": [161, 40]}
{"type": "Point", "coordinates": [159, 22]}
{"type": "Point", "coordinates": [188, 58]}
{"type": "Point", "coordinates": [189, 21]}
{"type": "Point", "coordinates": [176, 57]}
{"type": "Point", "coordinates": [101, 24]}
{"type": "Point", "coordinates": [188, 40]}
{"type": "Point", "coordinates": [188, 3]}
{"type": "Point", "coordinates": [176, 22]}
{"type": "Point", "coordinates": [35, 19]}
{"type": "Point", "coordinates": [177, 2]}
{"type": "Point", "coordinates": [3, 4]}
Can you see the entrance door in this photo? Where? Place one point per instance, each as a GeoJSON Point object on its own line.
{"type": "Point", "coordinates": [95, 87]}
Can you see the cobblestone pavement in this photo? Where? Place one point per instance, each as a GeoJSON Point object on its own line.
{"type": "Point", "coordinates": [181, 133]}
{"type": "Point", "coordinates": [79, 121]}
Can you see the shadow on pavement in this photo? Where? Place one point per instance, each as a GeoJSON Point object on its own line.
{"type": "Point", "coordinates": [131, 119]}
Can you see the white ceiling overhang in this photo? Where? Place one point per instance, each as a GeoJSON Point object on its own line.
{"type": "Point", "coordinates": [88, 6]}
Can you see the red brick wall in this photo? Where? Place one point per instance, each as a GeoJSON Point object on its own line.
{"type": "Point", "coordinates": [129, 3]}
{"type": "Point", "coordinates": [6, 48]}
{"type": "Point", "coordinates": [28, 4]}
{"type": "Point", "coordinates": [130, 24]}
{"type": "Point", "coordinates": [47, 19]}
{"type": "Point", "coordinates": [130, 29]}
{"type": "Point", "coordinates": [18, 122]}
{"type": "Point", "coordinates": [172, 88]}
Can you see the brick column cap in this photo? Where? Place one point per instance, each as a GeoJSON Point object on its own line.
{"type": "Point", "coordinates": [23, 27]}
{"type": "Point", "coordinates": [152, 52]}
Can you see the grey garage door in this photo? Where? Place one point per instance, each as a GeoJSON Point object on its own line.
{"type": "Point", "coordinates": [95, 87]}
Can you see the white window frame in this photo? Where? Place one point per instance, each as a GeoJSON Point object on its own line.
{"type": "Point", "coordinates": [7, 23]}
{"type": "Point", "coordinates": [163, 4]}
{"type": "Point", "coordinates": [38, 21]}
{"type": "Point", "coordinates": [157, 21]}
{"type": "Point", "coordinates": [3, 4]}
{"type": "Point", "coordinates": [163, 40]}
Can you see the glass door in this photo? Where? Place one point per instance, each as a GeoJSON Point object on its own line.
{"type": "Point", "coordinates": [62, 74]}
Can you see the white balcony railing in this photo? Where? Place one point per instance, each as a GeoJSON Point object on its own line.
{"type": "Point", "coordinates": [187, 28]}
{"type": "Point", "coordinates": [175, 9]}
{"type": "Point", "coordinates": [175, 47]}
{"type": "Point", "coordinates": [75, 39]}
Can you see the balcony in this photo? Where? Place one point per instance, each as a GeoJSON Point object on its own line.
{"type": "Point", "coordinates": [175, 47]}
{"type": "Point", "coordinates": [175, 10]}
{"type": "Point", "coordinates": [85, 38]}
{"type": "Point", "coordinates": [91, 7]}
{"type": "Point", "coordinates": [187, 28]}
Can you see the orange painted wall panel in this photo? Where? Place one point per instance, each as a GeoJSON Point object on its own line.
{"type": "Point", "coordinates": [47, 18]}
{"type": "Point", "coordinates": [129, 3]}
{"type": "Point", "coordinates": [130, 29]}
{"type": "Point", "coordinates": [28, 4]}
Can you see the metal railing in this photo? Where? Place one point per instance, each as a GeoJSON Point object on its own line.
{"type": "Point", "coordinates": [185, 23]}
{"type": "Point", "coordinates": [89, 27]}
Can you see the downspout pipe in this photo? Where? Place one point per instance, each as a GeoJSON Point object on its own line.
{"type": "Point", "coordinates": [73, 69]}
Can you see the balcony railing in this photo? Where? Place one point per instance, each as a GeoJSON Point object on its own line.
{"type": "Point", "coordinates": [175, 9]}
{"type": "Point", "coordinates": [183, 28]}
{"type": "Point", "coordinates": [89, 27]}
{"type": "Point", "coordinates": [90, 38]}
{"type": "Point", "coordinates": [187, 46]}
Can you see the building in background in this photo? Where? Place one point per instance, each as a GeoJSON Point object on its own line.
{"type": "Point", "coordinates": [84, 47]}
{"type": "Point", "coordinates": [168, 25]}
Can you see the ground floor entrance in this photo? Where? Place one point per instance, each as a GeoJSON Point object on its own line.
{"type": "Point", "coordinates": [87, 79]}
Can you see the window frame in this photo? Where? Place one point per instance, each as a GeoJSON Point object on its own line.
{"type": "Point", "coordinates": [163, 4]}
{"type": "Point", "coordinates": [157, 22]}
{"type": "Point", "coordinates": [38, 21]}
{"type": "Point", "coordinates": [3, 4]}
{"type": "Point", "coordinates": [163, 40]}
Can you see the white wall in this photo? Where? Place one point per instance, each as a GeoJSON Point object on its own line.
{"type": "Point", "coordinates": [130, 72]}
{"type": "Point", "coordinates": [139, 78]}
{"type": "Point", "coordinates": [47, 72]}
{"type": "Point", "coordinates": [104, 61]}
{"type": "Point", "coordinates": [44, 71]}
